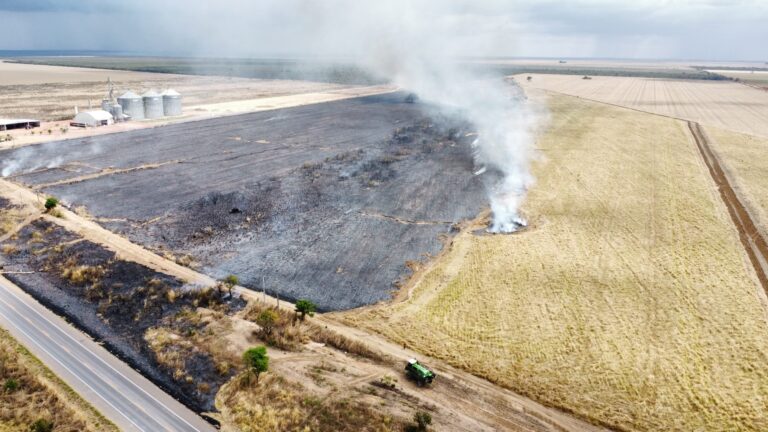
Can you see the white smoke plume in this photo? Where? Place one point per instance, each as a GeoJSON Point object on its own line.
{"type": "Point", "coordinates": [417, 44]}
{"type": "Point", "coordinates": [406, 42]}
{"type": "Point", "coordinates": [46, 156]}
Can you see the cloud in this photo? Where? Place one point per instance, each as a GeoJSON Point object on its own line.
{"type": "Point", "coordinates": [708, 29]}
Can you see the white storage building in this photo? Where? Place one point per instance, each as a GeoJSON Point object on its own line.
{"type": "Point", "coordinates": [93, 119]}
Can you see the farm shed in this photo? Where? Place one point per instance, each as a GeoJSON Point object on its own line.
{"type": "Point", "coordinates": [92, 119]}
{"type": "Point", "coordinates": [8, 124]}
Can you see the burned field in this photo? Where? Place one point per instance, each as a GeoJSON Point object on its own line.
{"type": "Point", "coordinates": [328, 202]}
{"type": "Point", "coordinates": [117, 302]}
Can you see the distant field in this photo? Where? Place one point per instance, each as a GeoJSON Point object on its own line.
{"type": "Point", "coordinates": [629, 301]}
{"type": "Point", "coordinates": [725, 105]}
{"type": "Point", "coordinates": [321, 71]}
{"type": "Point", "coordinates": [51, 92]}
{"type": "Point", "coordinates": [345, 73]}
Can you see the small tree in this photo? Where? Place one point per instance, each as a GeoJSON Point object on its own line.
{"type": "Point", "coordinates": [305, 307]}
{"type": "Point", "coordinates": [41, 425]}
{"type": "Point", "coordinates": [230, 282]}
{"type": "Point", "coordinates": [256, 360]}
{"type": "Point", "coordinates": [267, 321]}
{"type": "Point", "coordinates": [51, 203]}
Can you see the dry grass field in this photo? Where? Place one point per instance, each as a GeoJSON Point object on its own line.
{"type": "Point", "coordinates": [29, 393]}
{"type": "Point", "coordinates": [629, 300]}
{"type": "Point", "coordinates": [38, 92]}
{"type": "Point", "coordinates": [726, 105]}
{"type": "Point", "coordinates": [746, 157]}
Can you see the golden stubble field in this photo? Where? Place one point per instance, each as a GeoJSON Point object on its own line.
{"type": "Point", "coordinates": [746, 160]}
{"type": "Point", "coordinates": [722, 104]}
{"type": "Point", "coordinates": [629, 301]}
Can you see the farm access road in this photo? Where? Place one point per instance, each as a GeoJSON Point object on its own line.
{"type": "Point", "coordinates": [456, 392]}
{"type": "Point", "coordinates": [754, 243]}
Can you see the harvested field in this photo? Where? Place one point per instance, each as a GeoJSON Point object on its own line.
{"type": "Point", "coordinates": [626, 302]}
{"type": "Point", "coordinates": [296, 196]}
{"type": "Point", "coordinates": [31, 393]}
{"type": "Point", "coordinates": [745, 157]}
{"type": "Point", "coordinates": [115, 301]}
{"type": "Point", "coordinates": [51, 92]}
{"type": "Point", "coordinates": [725, 105]}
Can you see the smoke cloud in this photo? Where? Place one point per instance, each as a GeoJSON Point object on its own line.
{"type": "Point", "coordinates": [415, 44]}
{"type": "Point", "coordinates": [417, 49]}
{"type": "Point", "coordinates": [29, 159]}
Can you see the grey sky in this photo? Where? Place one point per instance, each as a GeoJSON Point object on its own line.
{"type": "Point", "coordinates": [683, 29]}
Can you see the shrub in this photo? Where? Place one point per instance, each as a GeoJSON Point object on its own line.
{"type": "Point", "coordinates": [422, 421]}
{"type": "Point", "coordinates": [51, 203]}
{"type": "Point", "coordinates": [267, 320]}
{"type": "Point", "coordinates": [41, 425]}
{"type": "Point", "coordinates": [305, 307]}
{"type": "Point", "coordinates": [11, 385]}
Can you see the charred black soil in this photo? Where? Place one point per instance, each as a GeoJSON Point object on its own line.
{"type": "Point", "coordinates": [326, 202]}
{"type": "Point", "coordinates": [115, 302]}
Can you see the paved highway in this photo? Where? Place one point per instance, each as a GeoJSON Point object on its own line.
{"type": "Point", "coordinates": [131, 401]}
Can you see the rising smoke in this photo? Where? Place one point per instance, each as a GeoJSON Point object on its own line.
{"type": "Point", "coordinates": [416, 44]}
{"type": "Point", "coordinates": [44, 156]}
{"type": "Point", "coordinates": [417, 49]}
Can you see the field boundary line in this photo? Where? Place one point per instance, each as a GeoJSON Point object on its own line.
{"type": "Point", "coordinates": [754, 243]}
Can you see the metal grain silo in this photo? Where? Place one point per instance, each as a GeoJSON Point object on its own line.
{"type": "Point", "coordinates": [133, 105]}
{"type": "Point", "coordinates": [117, 112]}
{"type": "Point", "coordinates": [171, 103]}
{"type": "Point", "coordinates": [153, 104]}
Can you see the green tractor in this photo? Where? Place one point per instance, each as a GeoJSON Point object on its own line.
{"type": "Point", "coordinates": [419, 373]}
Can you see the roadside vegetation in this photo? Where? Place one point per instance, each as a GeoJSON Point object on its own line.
{"type": "Point", "coordinates": [33, 399]}
{"type": "Point", "coordinates": [11, 215]}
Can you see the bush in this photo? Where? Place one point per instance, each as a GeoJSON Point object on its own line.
{"type": "Point", "coordinates": [267, 320]}
{"type": "Point", "coordinates": [11, 385]}
{"type": "Point", "coordinates": [422, 421]}
{"type": "Point", "coordinates": [51, 203]}
{"type": "Point", "coordinates": [305, 307]}
{"type": "Point", "coordinates": [41, 425]}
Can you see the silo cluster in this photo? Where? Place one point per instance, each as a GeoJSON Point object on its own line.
{"type": "Point", "coordinates": [150, 105]}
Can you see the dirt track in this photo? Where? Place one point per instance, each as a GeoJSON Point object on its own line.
{"type": "Point", "coordinates": [754, 243]}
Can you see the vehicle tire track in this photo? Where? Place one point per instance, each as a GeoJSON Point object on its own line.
{"type": "Point", "coordinates": [754, 243]}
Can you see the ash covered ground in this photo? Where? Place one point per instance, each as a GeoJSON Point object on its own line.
{"type": "Point", "coordinates": [327, 202]}
{"type": "Point", "coordinates": [115, 302]}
